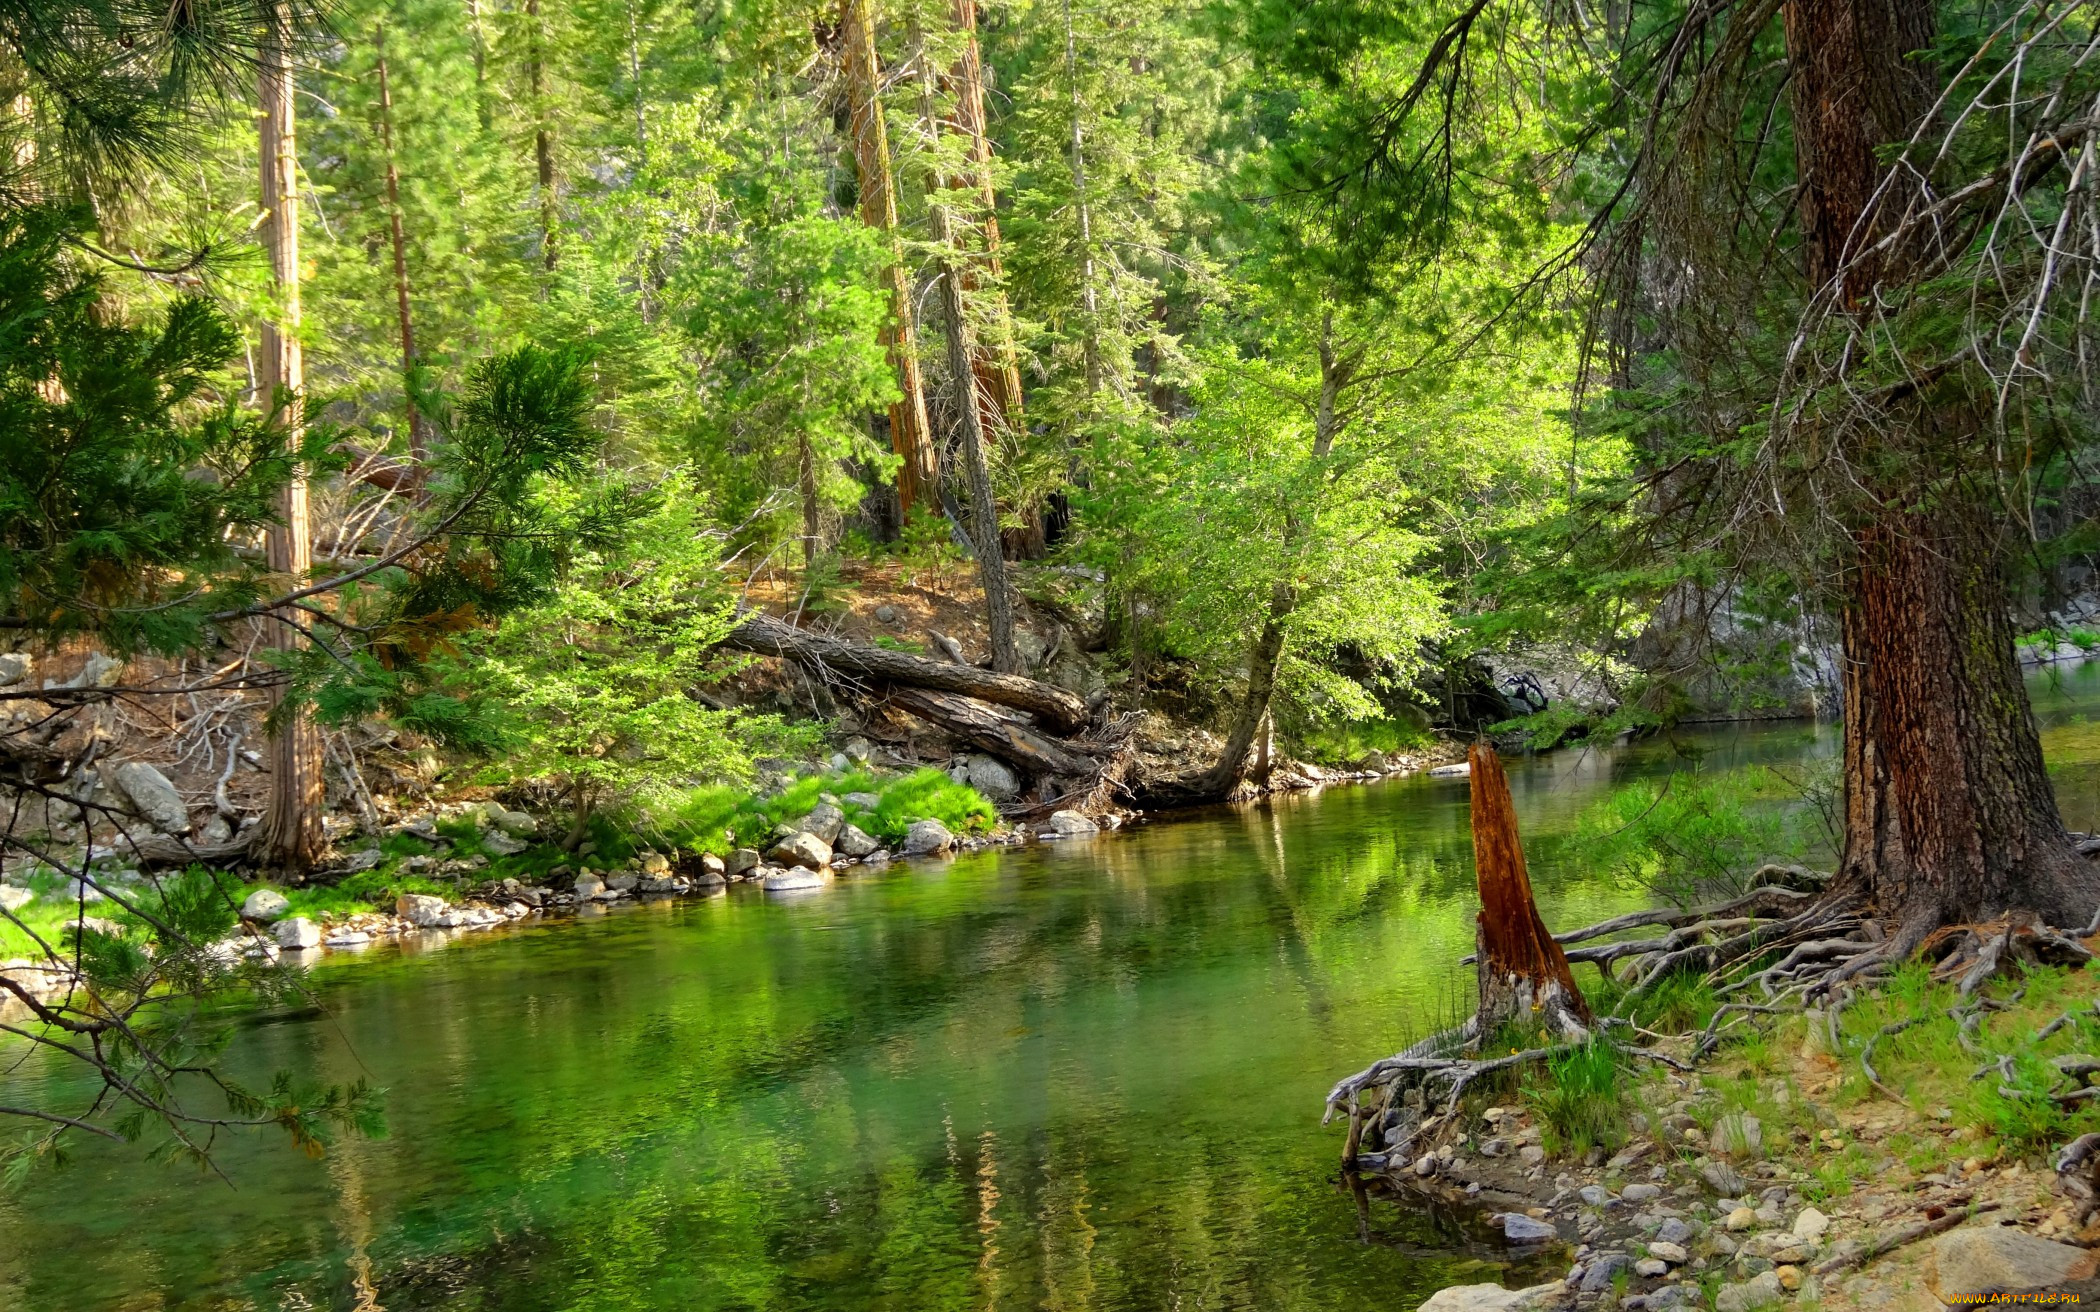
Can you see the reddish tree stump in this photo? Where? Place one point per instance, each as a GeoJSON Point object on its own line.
{"type": "Point", "coordinates": [1524, 975]}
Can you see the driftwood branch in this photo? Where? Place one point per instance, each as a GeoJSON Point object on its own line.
{"type": "Point", "coordinates": [1057, 709]}
{"type": "Point", "coordinates": [986, 729]}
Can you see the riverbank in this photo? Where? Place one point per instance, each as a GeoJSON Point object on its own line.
{"type": "Point", "coordinates": [1900, 1155]}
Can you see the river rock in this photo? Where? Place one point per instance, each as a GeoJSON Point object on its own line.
{"type": "Point", "coordinates": [992, 777]}
{"type": "Point", "coordinates": [14, 899]}
{"type": "Point", "coordinates": [98, 671]}
{"type": "Point", "coordinates": [710, 864]}
{"type": "Point", "coordinates": [154, 797]}
{"type": "Point", "coordinates": [1739, 1135]}
{"type": "Point", "coordinates": [515, 823]}
{"type": "Point", "coordinates": [1650, 1267]}
{"type": "Point", "coordinates": [1071, 824]}
{"type": "Point", "coordinates": [1723, 1179]}
{"type": "Point", "coordinates": [824, 822]}
{"type": "Point", "coordinates": [15, 666]}
{"type": "Point", "coordinates": [1675, 1254]}
{"type": "Point", "coordinates": [792, 878]}
{"type": "Point", "coordinates": [265, 905]}
{"type": "Point", "coordinates": [855, 842]}
{"type": "Point", "coordinates": [1810, 1225]}
{"type": "Point", "coordinates": [1673, 1230]}
{"type": "Point", "coordinates": [589, 887]}
{"type": "Point", "coordinates": [801, 849]}
{"type": "Point", "coordinates": [622, 881]}
{"type": "Point", "coordinates": [1458, 771]}
{"type": "Point", "coordinates": [1640, 1193]}
{"type": "Point", "coordinates": [655, 863]}
{"type": "Point", "coordinates": [501, 843]}
{"type": "Point", "coordinates": [1597, 1273]}
{"type": "Point", "coordinates": [864, 801]}
{"type": "Point", "coordinates": [421, 909]}
{"type": "Point", "coordinates": [1518, 1228]}
{"type": "Point", "coordinates": [298, 933]}
{"type": "Point", "coordinates": [927, 838]}
{"type": "Point", "coordinates": [1998, 1259]}
{"type": "Point", "coordinates": [1742, 1218]}
{"type": "Point", "coordinates": [1596, 1195]}
{"type": "Point", "coordinates": [741, 862]}
{"type": "Point", "coordinates": [1491, 1298]}
{"type": "Point", "coordinates": [1761, 1290]}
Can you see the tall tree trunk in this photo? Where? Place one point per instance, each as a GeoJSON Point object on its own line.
{"type": "Point", "coordinates": [542, 137]}
{"type": "Point", "coordinates": [291, 829]}
{"type": "Point", "coordinates": [418, 437]}
{"type": "Point", "coordinates": [1524, 975]}
{"type": "Point", "coordinates": [995, 361]}
{"type": "Point", "coordinates": [917, 472]}
{"type": "Point", "coordinates": [1949, 813]}
{"type": "Point", "coordinates": [806, 481]}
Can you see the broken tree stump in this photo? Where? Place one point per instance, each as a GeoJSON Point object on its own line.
{"type": "Point", "coordinates": [1524, 975]}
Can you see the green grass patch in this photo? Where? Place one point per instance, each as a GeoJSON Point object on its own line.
{"type": "Point", "coordinates": [718, 819]}
{"type": "Point", "coordinates": [1347, 741]}
{"type": "Point", "coordinates": [1582, 1103]}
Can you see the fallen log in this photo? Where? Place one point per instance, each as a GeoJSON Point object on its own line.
{"type": "Point", "coordinates": [1057, 709]}
{"type": "Point", "coordinates": [986, 729]}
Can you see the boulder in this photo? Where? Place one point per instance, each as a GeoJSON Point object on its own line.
{"type": "Point", "coordinates": [802, 849]}
{"type": "Point", "coordinates": [154, 796]}
{"type": "Point", "coordinates": [1739, 1135]}
{"type": "Point", "coordinates": [741, 862]}
{"type": "Point", "coordinates": [655, 863]}
{"type": "Point", "coordinates": [992, 777]}
{"type": "Point", "coordinates": [15, 667]}
{"type": "Point", "coordinates": [589, 887]}
{"type": "Point", "coordinates": [1998, 1259]}
{"type": "Point", "coordinates": [622, 882]}
{"type": "Point", "coordinates": [298, 933]}
{"type": "Point", "coordinates": [515, 823]}
{"type": "Point", "coordinates": [500, 843]}
{"type": "Point", "coordinates": [824, 822]}
{"type": "Point", "coordinates": [927, 838]}
{"type": "Point", "coordinates": [1518, 1228]}
{"type": "Point", "coordinates": [855, 842]}
{"type": "Point", "coordinates": [1491, 1298]}
{"type": "Point", "coordinates": [265, 905]}
{"type": "Point", "coordinates": [1071, 824]}
{"type": "Point", "coordinates": [420, 909]}
{"type": "Point", "coordinates": [1723, 1179]}
{"type": "Point", "coordinates": [1598, 1272]}
{"type": "Point", "coordinates": [792, 878]}
{"type": "Point", "coordinates": [1761, 1290]}
{"type": "Point", "coordinates": [1811, 1224]}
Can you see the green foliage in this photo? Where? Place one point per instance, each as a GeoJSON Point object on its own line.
{"type": "Point", "coordinates": [1693, 835]}
{"type": "Point", "coordinates": [1582, 1103]}
{"type": "Point", "coordinates": [720, 818]}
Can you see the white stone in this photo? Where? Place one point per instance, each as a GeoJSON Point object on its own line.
{"type": "Point", "coordinates": [865, 801]}
{"type": "Point", "coordinates": [792, 878]}
{"type": "Point", "coordinates": [1650, 1266]}
{"type": "Point", "coordinates": [298, 933]}
{"type": "Point", "coordinates": [14, 899]}
{"type": "Point", "coordinates": [1762, 1290]}
{"type": "Point", "coordinates": [1491, 1298]}
{"type": "Point", "coordinates": [992, 777]}
{"type": "Point", "coordinates": [1071, 824]}
{"type": "Point", "coordinates": [1997, 1259]}
{"type": "Point", "coordinates": [420, 909]}
{"type": "Point", "coordinates": [1668, 1252]}
{"type": "Point", "coordinates": [588, 886]}
{"type": "Point", "coordinates": [1459, 771]}
{"type": "Point", "coordinates": [264, 904]}
{"type": "Point", "coordinates": [802, 849]}
{"type": "Point", "coordinates": [155, 797]}
{"type": "Point", "coordinates": [1518, 1228]}
{"type": "Point", "coordinates": [15, 667]}
{"type": "Point", "coordinates": [855, 842]}
{"type": "Point", "coordinates": [1811, 1224]}
{"type": "Point", "coordinates": [502, 844]}
{"type": "Point", "coordinates": [926, 838]}
{"type": "Point", "coordinates": [710, 864]}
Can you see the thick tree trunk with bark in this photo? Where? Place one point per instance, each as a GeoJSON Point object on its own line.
{"type": "Point", "coordinates": [1949, 813]}
{"type": "Point", "coordinates": [917, 475]}
{"type": "Point", "coordinates": [1003, 735]}
{"type": "Point", "coordinates": [291, 830]}
{"type": "Point", "coordinates": [1524, 975]}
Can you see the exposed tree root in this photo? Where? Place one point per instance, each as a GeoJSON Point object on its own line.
{"type": "Point", "coordinates": [1898, 1238]}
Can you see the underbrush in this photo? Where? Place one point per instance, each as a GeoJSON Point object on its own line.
{"type": "Point", "coordinates": [1348, 741]}
{"type": "Point", "coordinates": [718, 819]}
{"type": "Point", "coordinates": [1581, 1102]}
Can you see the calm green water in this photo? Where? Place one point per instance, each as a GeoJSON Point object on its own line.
{"type": "Point", "coordinates": [1084, 1076]}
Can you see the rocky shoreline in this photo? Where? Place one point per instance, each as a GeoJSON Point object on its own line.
{"type": "Point", "coordinates": [1682, 1217]}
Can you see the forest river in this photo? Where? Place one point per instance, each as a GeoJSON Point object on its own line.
{"type": "Point", "coordinates": [1066, 1076]}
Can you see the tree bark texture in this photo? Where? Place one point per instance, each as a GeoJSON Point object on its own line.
{"type": "Point", "coordinates": [917, 475]}
{"type": "Point", "coordinates": [1957, 819]}
{"type": "Point", "coordinates": [1949, 813]}
{"type": "Point", "coordinates": [542, 137]}
{"type": "Point", "coordinates": [1058, 710]}
{"type": "Point", "coordinates": [1524, 975]}
{"type": "Point", "coordinates": [291, 833]}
